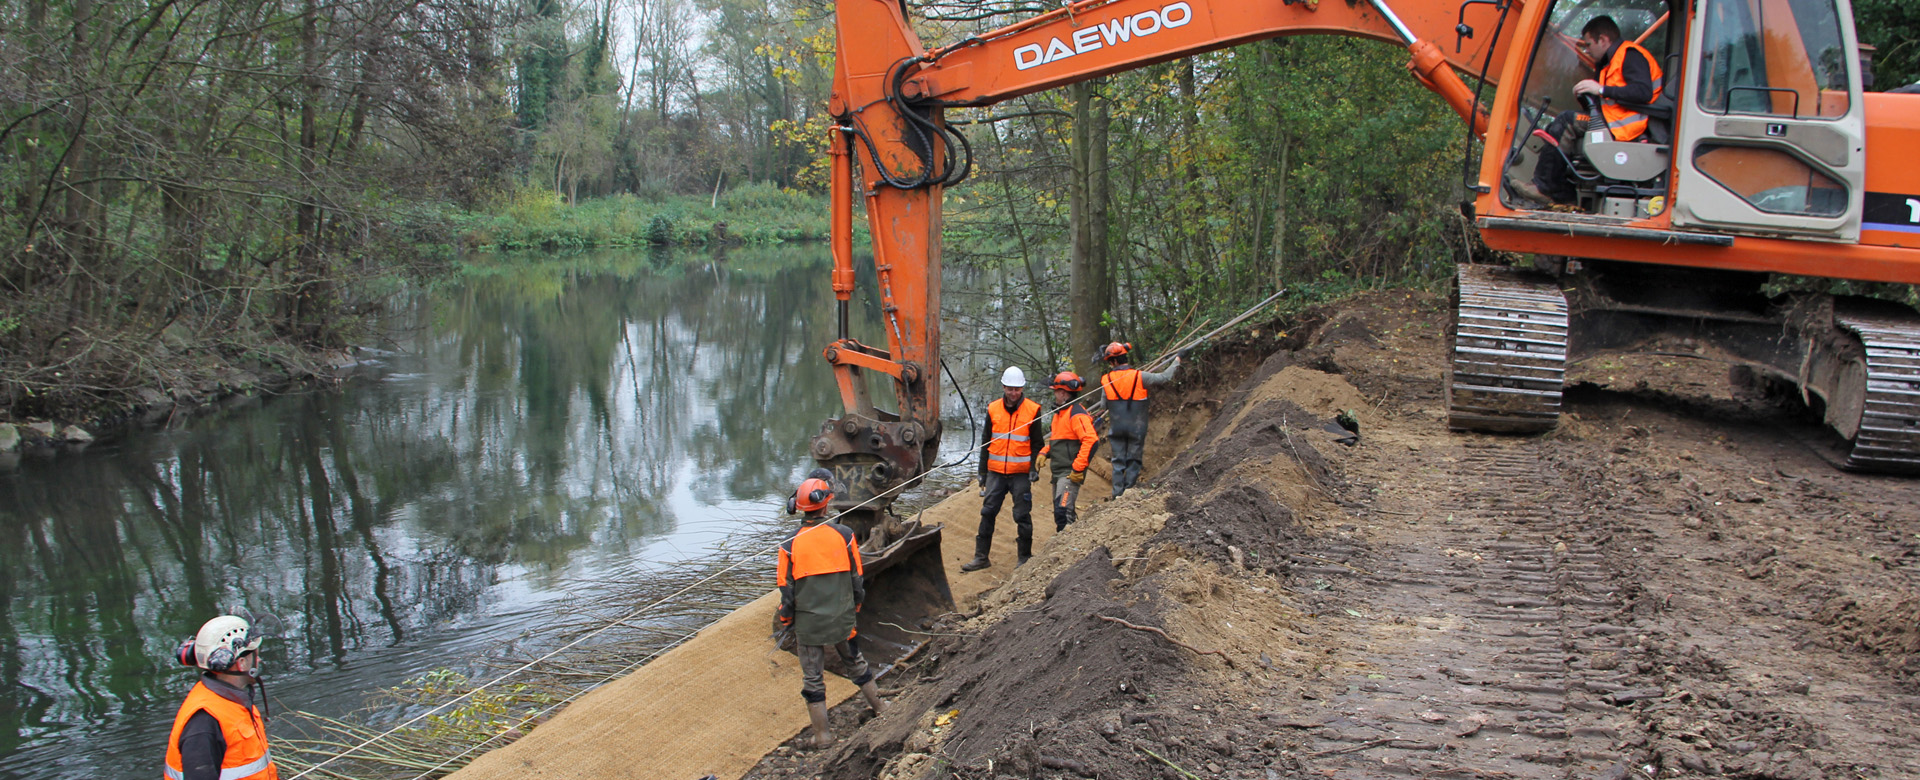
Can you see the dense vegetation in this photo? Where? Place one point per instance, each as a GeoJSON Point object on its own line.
{"type": "Point", "coordinates": [205, 189]}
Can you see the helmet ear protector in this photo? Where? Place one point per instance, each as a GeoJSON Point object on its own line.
{"type": "Point", "coordinates": [811, 496]}
{"type": "Point", "coordinates": [224, 640]}
{"type": "Point", "coordinates": [221, 659]}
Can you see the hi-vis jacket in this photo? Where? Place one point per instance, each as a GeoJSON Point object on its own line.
{"type": "Point", "coordinates": [1124, 384]}
{"type": "Point", "coordinates": [1126, 391]}
{"type": "Point", "coordinates": [1009, 437]}
{"type": "Point", "coordinates": [240, 726]}
{"type": "Point", "coordinates": [819, 579]}
{"type": "Point", "coordinates": [1070, 440]}
{"type": "Point", "coordinates": [1625, 123]}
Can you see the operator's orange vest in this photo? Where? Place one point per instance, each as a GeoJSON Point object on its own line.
{"type": "Point", "coordinates": [1124, 384]}
{"type": "Point", "coordinates": [1009, 451]}
{"type": "Point", "coordinates": [240, 725]}
{"type": "Point", "coordinates": [1626, 124]}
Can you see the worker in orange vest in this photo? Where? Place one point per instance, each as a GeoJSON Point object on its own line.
{"type": "Point", "coordinates": [1624, 73]}
{"type": "Point", "coordinates": [819, 576]}
{"type": "Point", "coordinates": [219, 734]}
{"type": "Point", "coordinates": [1125, 388]}
{"type": "Point", "coordinates": [1071, 439]}
{"type": "Point", "coordinates": [1008, 467]}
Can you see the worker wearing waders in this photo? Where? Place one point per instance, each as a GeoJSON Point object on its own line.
{"type": "Point", "coordinates": [820, 595]}
{"type": "Point", "coordinates": [1126, 392]}
{"type": "Point", "coordinates": [219, 734]}
{"type": "Point", "coordinates": [1008, 467]}
{"type": "Point", "coordinates": [1071, 439]}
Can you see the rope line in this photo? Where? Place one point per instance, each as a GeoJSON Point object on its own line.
{"type": "Point", "coordinates": [702, 581]}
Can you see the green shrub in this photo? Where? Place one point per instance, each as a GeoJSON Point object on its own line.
{"type": "Point", "coordinates": [749, 214]}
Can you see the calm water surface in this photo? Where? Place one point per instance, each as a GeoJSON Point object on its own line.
{"type": "Point", "coordinates": [531, 425]}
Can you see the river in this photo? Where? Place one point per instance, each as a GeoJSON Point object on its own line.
{"type": "Point", "coordinates": [530, 424]}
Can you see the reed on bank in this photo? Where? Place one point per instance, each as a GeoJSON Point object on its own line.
{"type": "Point", "coordinates": [448, 717]}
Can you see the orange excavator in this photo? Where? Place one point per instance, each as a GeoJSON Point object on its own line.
{"type": "Point", "coordinates": [1761, 156]}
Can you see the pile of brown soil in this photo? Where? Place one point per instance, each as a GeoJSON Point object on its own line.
{"type": "Point", "coordinates": [1062, 672]}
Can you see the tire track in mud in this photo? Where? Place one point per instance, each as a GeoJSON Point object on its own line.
{"type": "Point", "coordinates": [1490, 653]}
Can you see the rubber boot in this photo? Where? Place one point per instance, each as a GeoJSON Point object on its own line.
{"type": "Point", "coordinates": [1026, 551]}
{"type": "Point", "coordinates": [979, 556]}
{"type": "Point", "coordinates": [822, 733]}
{"type": "Point", "coordinates": [872, 694]}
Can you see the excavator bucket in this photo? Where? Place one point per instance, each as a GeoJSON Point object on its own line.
{"type": "Point", "coordinates": [906, 580]}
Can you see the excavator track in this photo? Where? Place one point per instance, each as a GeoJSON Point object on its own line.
{"type": "Point", "coordinates": [1889, 435]}
{"type": "Point", "coordinates": [1509, 352]}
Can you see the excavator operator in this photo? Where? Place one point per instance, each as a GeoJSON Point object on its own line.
{"type": "Point", "coordinates": [1624, 72]}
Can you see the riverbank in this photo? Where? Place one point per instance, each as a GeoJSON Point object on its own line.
{"type": "Point", "coordinates": [541, 219]}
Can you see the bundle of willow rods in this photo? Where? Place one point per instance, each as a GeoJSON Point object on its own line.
{"type": "Point", "coordinates": [508, 708]}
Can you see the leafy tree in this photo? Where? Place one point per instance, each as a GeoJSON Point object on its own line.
{"type": "Point", "coordinates": [1892, 27]}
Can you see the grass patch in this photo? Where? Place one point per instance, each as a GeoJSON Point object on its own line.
{"type": "Point", "coordinates": [751, 214]}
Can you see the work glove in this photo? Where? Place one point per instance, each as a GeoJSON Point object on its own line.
{"type": "Point", "coordinates": [1077, 477]}
{"type": "Point", "coordinates": [1033, 475]}
{"type": "Point", "coordinates": [1181, 356]}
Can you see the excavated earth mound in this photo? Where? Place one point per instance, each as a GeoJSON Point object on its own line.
{"type": "Point", "coordinates": [1676, 582]}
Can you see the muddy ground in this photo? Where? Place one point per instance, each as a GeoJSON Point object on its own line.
{"type": "Point", "coordinates": [1675, 583]}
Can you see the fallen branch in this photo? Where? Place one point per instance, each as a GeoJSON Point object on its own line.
{"type": "Point", "coordinates": [1163, 635]}
{"type": "Point", "coordinates": [1163, 759]}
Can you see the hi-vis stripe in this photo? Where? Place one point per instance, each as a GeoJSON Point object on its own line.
{"type": "Point", "coordinates": [232, 773]}
{"type": "Point", "coordinates": [1010, 436]}
{"type": "Point", "coordinates": [1627, 120]}
{"type": "Point", "coordinates": [997, 459]}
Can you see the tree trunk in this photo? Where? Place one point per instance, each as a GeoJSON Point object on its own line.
{"type": "Point", "coordinates": [310, 280]}
{"type": "Point", "coordinates": [1089, 285]}
{"type": "Point", "coordinates": [1100, 197]}
{"type": "Point", "coordinates": [1280, 218]}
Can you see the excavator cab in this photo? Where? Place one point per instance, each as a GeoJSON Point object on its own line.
{"type": "Point", "coordinates": [1757, 128]}
{"type": "Point", "coordinates": [1597, 174]}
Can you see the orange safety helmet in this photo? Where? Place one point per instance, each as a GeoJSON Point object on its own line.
{"type": "Point", "coordinates": [811, 496]}
{"type": "Point", "coordinates": [1068, 381]}
{"type": "Point", "coordinates": [1115, 351]}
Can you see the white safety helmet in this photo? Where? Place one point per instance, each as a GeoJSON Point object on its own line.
{"type": "Point", "coordinates": [1013, 377]}
{"type": "Point", "coordinates": [221, 642]}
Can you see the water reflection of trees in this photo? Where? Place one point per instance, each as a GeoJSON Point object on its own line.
{"type": "Point", "coordinates": [541, 410]}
